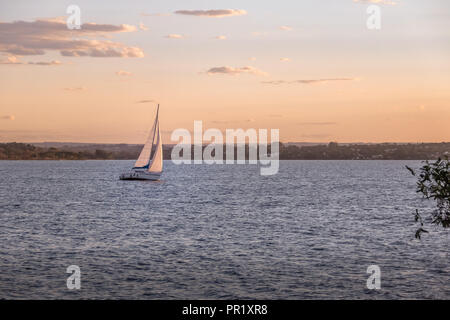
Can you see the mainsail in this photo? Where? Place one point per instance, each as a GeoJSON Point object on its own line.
{"type": "Point", "coordinates": [156, 165]}
{"type": "Point", "coordinates": [144, 158]}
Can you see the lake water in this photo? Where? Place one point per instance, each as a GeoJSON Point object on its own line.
{"type": "Point", "coordinates": [217, 232]}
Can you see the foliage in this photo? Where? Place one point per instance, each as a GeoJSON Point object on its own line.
{"type": "Point", "coordinates": [433, 182]}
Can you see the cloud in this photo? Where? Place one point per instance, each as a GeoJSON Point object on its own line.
{"type": "Point", "coordinates": [13, 60]}
{"type": "Point", "coordinates": [142, 27]}
{"type": "Point", "coordinates": [317, 123]}
{"type": "Point", "coordinates": [174, 36]}
{"type": "Point", "coordinates": [75, 89]}
{"type": "Point", "coordinates": [308, 81]}
{"type": "Point", "coordinates": [285, 28]}
{"type": "Point", "coordinates": [8, 117]}
{"type": "Point", "coordinates": [236, 71]}
{"type": "Point", "coordinates": [145, 101]}
{"type": "Point", "coordinates": [46, 63]}
{"type": "Point", "coordinates": [123, 73]}
{"type": "Point", "coordinates": [386, 2]}
{"type": "Point", "coordinates": [213, 13]}
{"type": "Point", "coordinates": [43, 35]}
{"type": "Point", "coordinates": [225, 122]}
{"type": "Point", "coordinates": [105, 52]}
{"type": "Point", "coordinates": [285, 59]}
{"type": "Point", "coordinates": [221, 37]}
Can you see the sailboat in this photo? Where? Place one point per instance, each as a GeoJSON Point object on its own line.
{"type": "Point", "coordinates": [148, 166]}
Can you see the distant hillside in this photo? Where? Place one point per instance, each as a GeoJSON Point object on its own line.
{"type": "Point", "coordinates": [383, 151]}
{"type": "Point", "coordinates": [114, 151]}
{"type": "Point", "coordinates": [331, 151]}
{"type": "Point", "coordinates": [21, 151]}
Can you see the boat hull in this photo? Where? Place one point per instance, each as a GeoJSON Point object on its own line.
{"type": "Point", "coordinates": [140, 175]}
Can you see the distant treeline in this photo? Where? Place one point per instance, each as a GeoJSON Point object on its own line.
{"type": "Point", "coordinates": [332, 151]}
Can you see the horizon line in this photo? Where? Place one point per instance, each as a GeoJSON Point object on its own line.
{"type": "Point", "coordinates": [283, 142]}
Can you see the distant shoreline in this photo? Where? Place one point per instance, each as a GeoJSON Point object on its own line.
{"type": "Point", "coordinates": [37, 160]}
{"type": "Point", "coordinates": [330, 151]}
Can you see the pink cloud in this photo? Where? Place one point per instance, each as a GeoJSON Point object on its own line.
{"type": "Point", "coordinates": [40, 36]}
{"type": "Point", "coordinates": [213, 13]}
{"type": "Point", "coordinates": [236, 71]}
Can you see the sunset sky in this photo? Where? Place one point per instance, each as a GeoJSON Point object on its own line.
{"type": "Point", "coordinates": [310, 68]}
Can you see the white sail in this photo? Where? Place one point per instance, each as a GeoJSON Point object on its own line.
{"type": "Point", "coordinates": [145, 155]}
{"type": "Point", "coordinates": [156, 165]}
